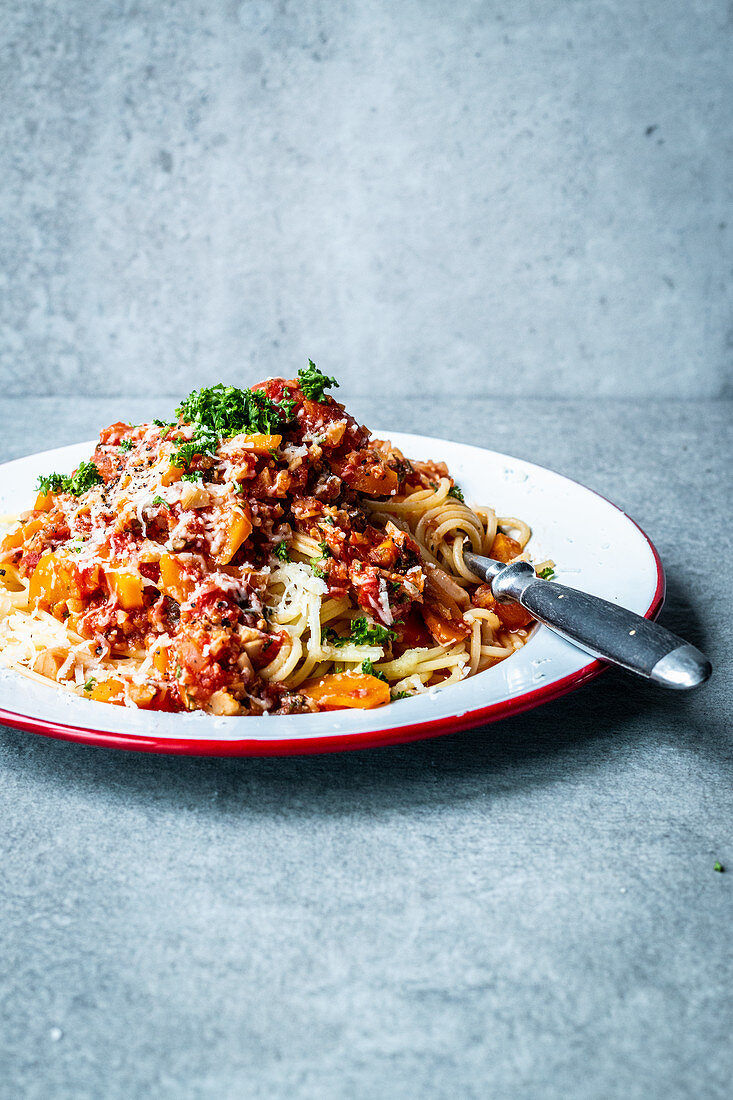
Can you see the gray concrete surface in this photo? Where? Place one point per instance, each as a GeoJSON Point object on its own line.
{"type": "Point", "coordinates": [532, 194]}
{"type": "Point", "coordinates": [528, 910]}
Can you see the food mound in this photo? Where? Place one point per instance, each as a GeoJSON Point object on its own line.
{"type": "Point", "coordinates": [259, 554]}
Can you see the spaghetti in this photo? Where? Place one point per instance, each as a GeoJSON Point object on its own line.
{"type": "Point", "coordinates": [259, 554]}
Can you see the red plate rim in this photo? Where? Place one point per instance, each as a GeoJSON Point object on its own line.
{"type": "Point", "coordinates": [399, 735]}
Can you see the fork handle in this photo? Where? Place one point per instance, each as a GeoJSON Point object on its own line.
{"type": "Point", "coordinates": [605, 629]}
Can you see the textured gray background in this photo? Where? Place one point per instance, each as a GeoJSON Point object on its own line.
{"type": "Point", "coordinates": [526, 911]}
{"type": "Point", "coordinates": [530, 195]}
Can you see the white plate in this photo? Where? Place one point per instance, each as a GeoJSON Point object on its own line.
{"type": "Point", "coordinates": [595, 546]}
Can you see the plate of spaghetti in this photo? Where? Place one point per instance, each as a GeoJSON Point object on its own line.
{"type": "Point", "coordinates": [261, 574]}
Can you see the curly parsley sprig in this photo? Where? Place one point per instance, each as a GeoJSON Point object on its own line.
{"type": "Point", "coordinates": [84, 477]}
{"type": "Point", "coordinates": [362, 633]}
{"type": "Point", "coordinates": [219, 412]}
{"type": "Point", "coordinates": [314, 382]}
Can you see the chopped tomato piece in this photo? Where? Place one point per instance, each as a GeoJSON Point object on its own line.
{"type": "Point", "coordinates": [385, 554]}
{"type": "Point", "coordinates": [347, 689]}
{"type": "Point", "coordinates": [512, 615]}
{"type": "Point", "coordinates": [412, 633]}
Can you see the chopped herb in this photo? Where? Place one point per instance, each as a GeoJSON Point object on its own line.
{"type": "Point", "coordinates": [330, 521]}
{"type": "Point", "coordinates": [193, 475]}
{"type": "Point", "coordinates": [126, 445]}
{"type": "Point", "coordinates": [163, 423]}
{"type": "Point", "coordinates": [400, 695]}
{"type": "Point", "coordinates": [163, 503]}
{"type": "Point", "coordinates": [547, 573]}
{"type": "Point", "coordinates": [325, 549]}
{"type": "Point", "coordinates": [90, 683]}
{"type": "Point", "coordinates": [719, 867]}
{"type": "Point", "coordinates": [318, 569]}
{"type": "Point", "coordinates": [282, 551]}
{"type": "Point", "coordinates": [365, 633]}
{"type": "Point", "coordinates": [368, 668]}
{"type": "Point", "coordinates": [457, 492]}
{"type": "Point", "coordinates": [84, 477]}
{"type": "Point", "coordinates": [313, 382]}
{"type": "Point", "coordinates": [218, 412]}
{"type": "Point", "coordinates": [177, 671]}
{"type": "Point", "coordinates": [362, 633]}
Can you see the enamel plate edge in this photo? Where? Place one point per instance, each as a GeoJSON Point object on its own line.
{"type": "Point", "coordinates": [596, 547]}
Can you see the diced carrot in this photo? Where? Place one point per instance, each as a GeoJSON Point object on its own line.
{"type": "Point", "coordinates": [444, 631]}
{"type": "Point", "coordinates": [174, 581]}
{"type": "Point", "coordinates": [239, 529]}
{"type": "Point", "coordinates": [171, 474]}
{"type": "Point", "coordinates": [128, 588]}
{"type": "Point", "coordinates": [108, 691]}
{"type": "Point", "coordinates": [54, 581]}
{"type": "Point", "coordinates": [160, 659]}
{"type": "Point", "coordinates": [141, 694]}
{"type": "Point", "coordinates": [504, 548]}
{"type": "Point", "coordinates": [21, 534]}
{"type": "Point", "coordinates": [261, 444]}
{"type": "Point", "coordinates": [44, 502]}
{"type": "Point", "coordinates": [347, 689]}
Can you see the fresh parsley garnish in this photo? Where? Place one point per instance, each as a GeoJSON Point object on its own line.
{"type": "Point", "coordinates": [84, 477]}
{"type": "Point", "coordinates": [368, 668]}
{"type": "Point", "coordinates": [90, 683]}
{"type": "Point", "coordinates": [362, 633]}
{"type": "Point", "coordinates": [400, 695]}
{"type": "Point", "coordinates": [719, 867]}
{"type": "Point", "coordinates": [318, 569]}
{"type": "Point", "coordinates": [219, 412]}
{"type": "Point", "coordinates": [314, 382]}
{"type": "Point", "coordinates": [282, 551]}
{"type": "Point", "coordinates": [365, 633]}
{"type": "Point", "coordinates": [163, 503]}
{"type": "Point", "coordinates": [547, 573]}
{"type": "Point", "coordinates": [457, 492]}
{"type": "Point", "coordinates": [193, 475]}
{"type": "Point", "coordinates": [126, 445]}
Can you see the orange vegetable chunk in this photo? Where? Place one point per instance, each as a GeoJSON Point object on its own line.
{"type": "Point", "coordinates": [444, 631]}
{"type": "Point", "coordinates": [504, 548]}
{"type": "Point", "coordinates": [173, 579]}
{"type": "Point", "coordinates": [238, 531]}
{"type": "Point", "coordinates": [108, 691]}
{"type": "Point", "coordinates": [261, 444]}
{"type": "Point", "coordinates": [21, 534]}
{"type": "Point", "coordinates": [54, 581]}
{"type": "Point", "coordinates": [128, 588]}
{"type": "Point", "coordinates": [348, 689]}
